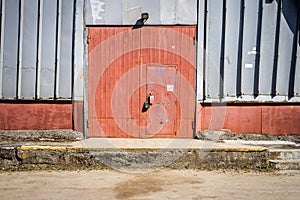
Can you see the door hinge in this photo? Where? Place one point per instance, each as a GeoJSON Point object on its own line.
{"type": "Point", "coordinates": [89, 37]}
{"type": "Point", "coordinates": [193, 125]}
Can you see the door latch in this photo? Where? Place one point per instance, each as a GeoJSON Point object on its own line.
{"type": "Point", "coordinates": [148, 103]}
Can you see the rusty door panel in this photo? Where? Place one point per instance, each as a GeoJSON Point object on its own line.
{"type": "Point", "coordinates": [121, 64]}
{"type": "Point", "coordinates": [160, 84]}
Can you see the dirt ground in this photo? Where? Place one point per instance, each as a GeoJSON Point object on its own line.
{"type": "Point", "coordinates": [162, 184]}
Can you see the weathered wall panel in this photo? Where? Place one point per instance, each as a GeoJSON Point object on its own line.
{"type": "Point", "coordinates": [280, 120]}
{"type": "Point", "coordinates": [127, 12]}
{"type": "Point", "coordinates": [29, 49]}
{"type": "Point", "coordinates": [131, 10]}
{"type": "Point", "coordinates": [214, 30]}
{"type": "Point", "coordinates": [297, 72]}
{"type": "Point", "coordinates": [237, 119]}
{"type": "Point", "coordinates": [48, 34]}
{"type": "Point", "coordinates": [37, 48]}
{"type": "Point", "coordinates": [10, 49]}
{"type": "Point", "coordinates": [249, 46]}
{"type": "Point", "coordinates": [201, 45]}
{"type": "Point", "coordinates": [35, 116]}
{"type": "Point", "coordinates": [258, 60]}
{"type": "Point", "coordinates": [2, 8]}
{"type": "Point", "coordinates": [40, 51]}
{"type": "Point", "coordinates": [231, 47]}
{"type": "Point", "coordinates": [267, 47]}
{"type": "Point", "coordinates": [259, 119]}
{"type": "Point", "coordinates": [66, 38]}
{"type": "Point", "coordinates": [287, 29]}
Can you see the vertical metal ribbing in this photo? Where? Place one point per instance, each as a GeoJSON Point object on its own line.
{"type": "Point", "coordinates": [38, 50]}
{"type": "Point", "coordinates": [73, 47]}
{"type": "Point", "coordinates": [2, 16]}
{"type": "Point", "coordinates": [221, 80]}
{"type": "Point", "coordinates": [73, 61]}
{"type": "Point", "coordinates": [276, 48]}
{"type": "Point", "coordinates": [204, 48]}
{"type": "Point", "coordinates": [85, 77]}
{"type": "Point", "coordinates": [57, 49]}
{"type": "Point", "coordinates": [240, 50]}
{"type": "Point", "coordinates": [258, 47]}
{"type": "Point", "coordinates": [85, 82]}
{"type": "Point", "coordinates": [294, 55]}
{"type": "Point", "coordinates": [19, 56]}
{"type": "Point", "coordinates": [140, 76]}
{"type": "Point", "coordinates": [196, 75]}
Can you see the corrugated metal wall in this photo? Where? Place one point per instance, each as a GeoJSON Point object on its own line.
{"type": "Point", "coordinates": [37, 49]}
{"type": "Point", "coordinates": [251, 47]}
{"type": "Point", "coordinates": [248, 50]}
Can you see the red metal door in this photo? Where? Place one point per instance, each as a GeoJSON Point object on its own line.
{"type": "Point", "coordinates": [128, 67]}
{"type": "Point", "coordinates": [161, 101]}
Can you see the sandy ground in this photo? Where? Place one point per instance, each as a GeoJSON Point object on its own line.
{"type": "Point", "coordinates": [162, 184]}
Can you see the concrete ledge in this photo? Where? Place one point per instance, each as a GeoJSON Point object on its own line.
{"type": "Point", "coordinates": [225, 135]}
{"type": "Point", "coordinates": [68, 148]}
{"type": "Point", "coordinates": [142, 154]}
{"type": "Point", "coordinates": [29, 157]}
{"type": "Point", "coordinates": [293, 164]}
{"type": "Point", "coordinates": [14, 136]}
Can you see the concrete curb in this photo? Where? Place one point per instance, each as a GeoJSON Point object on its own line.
{"type": "Point", "coordinates": [30, 157]}
{"type": "Point", "coordinates": [68, 148]}
{"type": "Point", "coordinates": [142, 154]}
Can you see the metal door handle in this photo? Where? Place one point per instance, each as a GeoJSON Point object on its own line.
{"type": "Point", "coordinates": [148, 103]}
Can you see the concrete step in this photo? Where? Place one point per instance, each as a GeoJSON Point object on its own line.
{"type": "Point", "coordinates": [293, 164]}
{"type": "Point", "coordinates": [134, 154]}
{"type": "Point", "coordinates": [284, 154]}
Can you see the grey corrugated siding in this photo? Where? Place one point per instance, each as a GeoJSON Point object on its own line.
{"type": "Point", "coordinates": [37, 43]}
{"type": "Point", "coordinates": [260, 45]}
{"type": "Point", "coordinates": [248, 49]}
